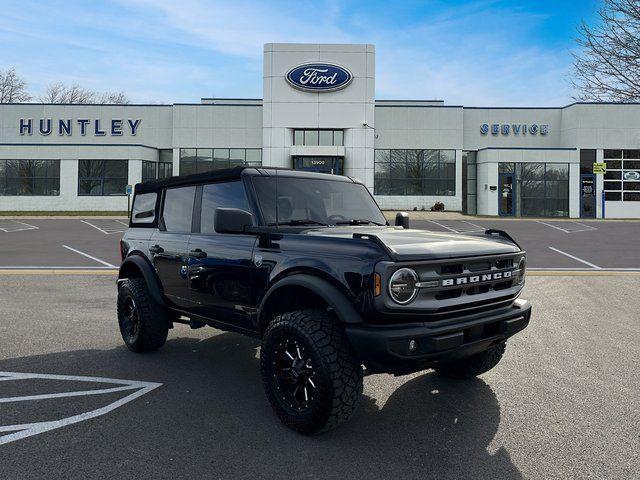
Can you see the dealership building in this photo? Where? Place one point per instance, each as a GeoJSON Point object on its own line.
{"type": "Point", "coordinates": [319, 113]}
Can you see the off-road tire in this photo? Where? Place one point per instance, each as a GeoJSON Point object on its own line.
{"type": "Point", "coordinates": [338, 374]}
{"type": "Point", "coordinates": [473, 365]}
{"type": "Point", "coordinates": [153, 324]}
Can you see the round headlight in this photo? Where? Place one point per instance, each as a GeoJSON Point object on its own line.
{"type": "Point", "coordinates": [402, 285]}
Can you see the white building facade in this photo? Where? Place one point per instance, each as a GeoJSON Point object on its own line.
{"type": "Point", "coordinates": [319, 112]}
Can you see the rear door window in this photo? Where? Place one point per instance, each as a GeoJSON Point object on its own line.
{"type": "Point", "coordinates": [178, 209]}
{"type": "Point", "coordinates": [144, 208]}
{"type": "Point", "coordinates": [220, 195]}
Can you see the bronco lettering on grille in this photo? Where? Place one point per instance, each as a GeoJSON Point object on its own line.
{"type": "Point", "coordinates": [470, 279]}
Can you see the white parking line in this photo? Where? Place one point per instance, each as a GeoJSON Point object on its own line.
{"type": "Point", "coordinates": [16, 226]}
{"type": "Point", "coordinates": [25, 430]}
{"type": "Point", "coordinates": [107, 226]}
{"type": "Point", "coordinates": [586, 228]}
{"type": "Point", "coordinates": [476, 228]}
{"type": "Point", "coordinates": [576, 258]}
{"type": "Point", "coordinates": [89, 256]}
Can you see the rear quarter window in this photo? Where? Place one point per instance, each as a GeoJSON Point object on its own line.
{"type": "Point", "coordinates": [144, 208]}
{"type": "Point", "coordinates": [178, 209]}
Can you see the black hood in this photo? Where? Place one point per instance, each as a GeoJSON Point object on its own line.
{"type": "Point", "coordinates": [411, 244]}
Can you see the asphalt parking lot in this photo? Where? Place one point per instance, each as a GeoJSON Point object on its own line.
{"type": "Point", "coordinates": [550, 244]}
{"type": "Point", "coordinates": [563, 403]}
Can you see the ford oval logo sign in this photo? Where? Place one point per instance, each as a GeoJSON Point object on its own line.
{"type": "Point", "coordinates": [319, 77]}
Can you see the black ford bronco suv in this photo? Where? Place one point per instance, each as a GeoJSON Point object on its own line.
{"type": "Point", "coordinates": [308, 264]}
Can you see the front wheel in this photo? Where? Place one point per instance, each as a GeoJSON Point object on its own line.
{"type": "Point", "coordinates": [310, 374]}
{"type": "Point", "coordinates": [473, 365]}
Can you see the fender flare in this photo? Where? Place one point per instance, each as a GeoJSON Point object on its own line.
{"type": "Point", "coordinates": [148, 273]}
{"type": "Point", "coordinates": [342, 307]}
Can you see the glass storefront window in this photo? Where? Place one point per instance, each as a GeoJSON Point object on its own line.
{"type": "Point", "coordinates": [149, 171]}
{"type": "Point", "coordinates": [325, 137]}
{"type": "Point", "coordinates": [236, 157]}
{"type": "Point", "coordinates": [187, 161]}
{"type": "Point", "coordinates": [253, 157]}
{"type": "Point", "coordinates": [311, 137]}
{"type": "Point", "coordinates": [542, 189]}
{"type": "Point", "coordinates": [415, 172]}
{"type": "Point", "coordinates": [205, 159]}
{"type": "Point", "coordinates": [469, 183]}
{"type": "Point", "coordinates": [165, 169]}
{"type": "Point", "coordinates": [318, 137]}
{"type": "Point", "coordinates": [165, 155]}
{"type": "Point", "coordinates": [155, 170]}
{"type": "Point", "coordinates": [29, 177]}
{"type": "Point", "coordinates": [102, 177]}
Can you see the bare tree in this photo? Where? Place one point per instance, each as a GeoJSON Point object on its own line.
{"type": "Point", "coordinates": [608, 66]}
{"type": "Point", "coordinates": [119, 98]}
{"type": "Point", "coordinates": [61, 93]}
{"type": "Point", "coordinates": [75, 94]}
{"type": "Point", "coordinates": [13, 89]}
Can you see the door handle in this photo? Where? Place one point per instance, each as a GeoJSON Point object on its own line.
{"type": "Point", "coordinates": [156, 249]}
{"type": "Point", "coordinates": [197, 253]}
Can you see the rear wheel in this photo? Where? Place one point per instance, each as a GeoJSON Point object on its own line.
{"type": "Point", "coordinates": [143, 324]}
{"type": "Point", "coordinates": [473, 365]}
{"type": "Point", "coordinates": [310, 374]}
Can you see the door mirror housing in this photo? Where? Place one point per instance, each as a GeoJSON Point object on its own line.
{"type": "Point", "coordinates": [232, 220]}
{"type": "Point", "coordinates": [402, 219]}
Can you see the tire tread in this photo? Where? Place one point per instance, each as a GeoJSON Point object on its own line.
{"type": "Point", "coordinates": [153, 319]}
{"type": "Point", "coordinates": [326, 334]}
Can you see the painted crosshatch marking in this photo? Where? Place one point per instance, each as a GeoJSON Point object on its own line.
{"type": "Point", "coordinates": [10, 433]}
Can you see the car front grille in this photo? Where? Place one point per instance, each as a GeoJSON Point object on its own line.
{"type": "Point", "coordinates": [457, 287]}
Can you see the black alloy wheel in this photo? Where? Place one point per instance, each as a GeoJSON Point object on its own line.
{"type": "Point", "coordinates": [294, 376]}
{"type": "Point", "coordinates": [130, 320]}
{"type": "Point", "coordinates": [310, 374]}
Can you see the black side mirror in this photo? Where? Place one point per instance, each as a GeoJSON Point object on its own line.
{"type": "Point", "coordinates": [402, 219]}
{"type": "Point", "coordinates": [232, 220]}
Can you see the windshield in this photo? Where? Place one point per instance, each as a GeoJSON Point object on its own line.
{"type": "Point", "coordinates": [310, 201]}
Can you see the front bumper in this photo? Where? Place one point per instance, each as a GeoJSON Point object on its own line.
{"type": "Point", "coordinates": [385, 348]}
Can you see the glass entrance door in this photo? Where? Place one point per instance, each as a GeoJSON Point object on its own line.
{"type": "Point", "coordinates": [587, 196]}
{"type": "Point", "coordinates": [506, 194]}
{"type": "Point", "coordinates": [319, 164]}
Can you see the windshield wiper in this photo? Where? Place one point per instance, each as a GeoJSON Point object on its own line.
{"type": "Point", "coordinates": [359, 221]}
{"type": "Point", "coordinates": [301, 221]}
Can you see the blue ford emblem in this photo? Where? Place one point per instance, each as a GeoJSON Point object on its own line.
{"type": "Point", "coordinates": [319, 77]}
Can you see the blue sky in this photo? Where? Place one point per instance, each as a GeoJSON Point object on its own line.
{"type": "Point", "coordinates": [473, 53]}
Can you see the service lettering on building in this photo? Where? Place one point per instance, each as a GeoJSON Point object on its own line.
{"type": "Point", "coordinates": [66, 127]}
{"type": "Point", "coordinates": [514, 129]}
